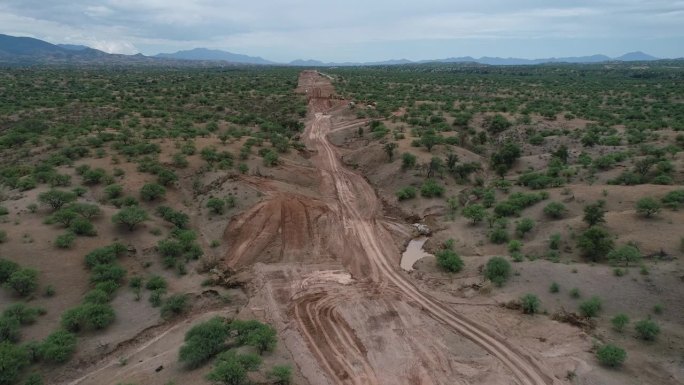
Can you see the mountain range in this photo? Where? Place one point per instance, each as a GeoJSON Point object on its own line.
{"type": "Point", "coordinates": [27, 50]}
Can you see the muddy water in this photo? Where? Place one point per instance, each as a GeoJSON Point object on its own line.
{"type": "Point", "coordinates": [413, 253]}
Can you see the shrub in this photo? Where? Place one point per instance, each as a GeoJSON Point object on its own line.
{"type": "Point", "coordinates": [65, 216]}
{"type": "Point", "coordinates": [66, 240]}
{"type": "Point", "coordinates": [7, 268]}
{"type": "Point", "coordinates": [58, 347]}
{"type": "Point", "coordinates": [88, 316]}
{"type": "Point", "coordinates": [97, 296]}
{"type": "Point", "coordinates": [152, 191]}
{"type": "Point", "coordinates": [174, 305]}
{"type": "Point", "coordinates": [23, 281]}
{"type": "Point", "coordinates": [449, 260]}
{"type": "Point", "coordinates": [281, 374]}
{"type": "Point", "coordinates": [256, 334]}
{"type": "Point", "coordinates": [408, 192]}
{"type": "Point", "coordinates": [554, 288]}
{"type": "Point", "coordinates": [647, 329]}
{"type": "Point", "coordinates": [216, 205]}
{"type": "Point", "coordinates": [177, 218]}
{"type": "Point", "coordinates": [647, 207]}
{"type": "Point", "coordinates": [498, 235]}
{"type": "Point", "coordinates": [113, 191]}
{"type": "Point", "coordinates": [595, 243]}
{"type": "Point", "coordinates": [104, 255]}
{"type": "Point", "coordinates": [408, 161]}
{"type": "Point", "coordinates": [14, 359]}
{"type": "Point", "coordinates": [590, 307]}
{"type": "Point", "coordinates": [619, 322]}
{"type": "Point", "coordinates": [24, 314]}
{"type": "Point", "coordinates": [497, 270]}
{"type": "Point", "coordinates": [611, 355]}
{"type": "Point", "coordinates": [431, 189]}
{"type": "Point", "coordinates": [524, 226]}
{"type": "Point", "coordinates": [81, 226]}
{"type": "Point", "coordinates": [594, 213]}
{"type": "Point", "coordinates": [107, 273]}
{"type": "Point", "coordinates": [156, 283]}
{"type": "Point", "coordinates": [674, 199]}
{"type": "Point", "coordinates": [86, 210]}
{"type": "Point", "coordinates": [228, 372]}
{"type": "Point", "coordinates": [625, 254]}
{"type": "Point", "coordinates": [9, 329]}
{"type": "Point", "coordinates": [56, 198]}
{"type": "Point", "coordinates": [530, 304]}
{"type": "Point", "coordinates": [130, 216]}
{"type": "Point", "coordinates": [555, 210]}
{"type": "Point", "coordinates": [475, 212]}
{"type": "Point", "coordinates": [514, 246]}
{"type": "Point", "coordinates": [203, 341]}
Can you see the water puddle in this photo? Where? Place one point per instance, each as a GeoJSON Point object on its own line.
{"type": "Point", "coordinates": [413, 253]}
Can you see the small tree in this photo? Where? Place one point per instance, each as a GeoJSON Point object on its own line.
{"type": "Point", "coordinates": [58, 347]}
{"type": "Point", "coordinates": [530, 304]}
{"type": "Point", "coordinates": [216, 205]}
{"type": "Point", "coordinates": [625, 254]}
{"type": "Point", "coordinates": [647, 207]}
{"type": "Point", "coordinates": [408, 161]}
{"type": "Point", "coordinates": [431, 189]}
{"type": "Point", "coordinates": [555, 210]}
{"type": "Point", "coordinates": [475, 212]}
{"type": "Point", "coordinates": [14, 359]}
{"type": "Point", "coordinates": [619, 322]}
{"type": "Point", "coordinates": [449, 260]}
{"type": "Point", "coordinates": [594, 213]}
{"type": "Point", "coordinates": [611, 355]}
{"type": "Point", "coordinates": [389, 150]}
{"type": "Point", "coordinates": [647, 329]}
{"type": "Point", "coordinates": [23, 281]}
{"type": "Point", "coordinates": [281, 374]}
{"type": "Point", "coordinates": [56, 198]}
{"type": "Point", "coordinates": [524, 226]}
{"type": "Point", "coordinates": [228, 372]}
{"type": "Point", "coordinates": [590, 307]}
{"type": "Point", "coordinates": [152, 191]}
{"type": "Point", "coordinates": [497, 270]}
{"type": "Point", "coordinates": [130, 216]}
{"type": "Point", "coordinates": [595, 243]}
{"type": "Point", "coordinates": [174, 305]}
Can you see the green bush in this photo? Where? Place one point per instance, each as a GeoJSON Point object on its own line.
{"type": "Point", "coordinates": [647, 329]}
{"type": "Point", "coordinates": [107, 273]}
{"type": "Point", "coordinates": [130, 216]}
{"type": "Point", "coordinates": [66, 240]}
{"type": "Point", "coordinates": [7, 268]}
{"type": "Point", "coordinates": [590, 307]}
{"type": "Point", "coordinates": [58, 347]}
{"type": "Point", "coordinates": [203, 341]}
{"type": "Point", "coordinates": [81, 226]}
{"type": "Point", "coordinates": [23, 281]}
{"type": "Point", "coordinates": [156, 283]}
{"type": "Point", "coordinates": [595, 243]}
{"type": "Point", "coordinates": [97, 296]}
{"type": "Point", "coordinates": [104, 255]}
{"type": "Point", "coordinates": [254, 333]}
{"type": "Point", "coordinates": [281, 374]}
{"type": "Point", "coordinates": [26, 315]}
{"type": "Point", "coordinates": [594, 213]}
{"type": "Point", "coordinates": [554, 288]}
{"type": "Point", "coordinates": [555, 210]}
{"type": "Point", "coordinates": [619, 322]}
{"type": "Point", "coordinates": [174, 305]}
{"type": "Point", "coordinates": [216, 205]}
{"type": "Point", "coordinates": [611, 355]}
{"type": "Point", "coordinates": [625, 254]}
{"type": "Point", "coordinates": [497, 270]}
{"type": "Point", "coordinates": [152, 191]}
{"type": "Point", "coordinates": [56, 198]}
{"type": "Point", "coordinates": [674, 199]}
{"type": "Point", "coordinates": [431, 189]}
{"type": "Point", "coordinates": [475, 212]}
{"type": "Point", "coordinates": [406, 193]}
{"type": "Point", "coordinates": [408, 161]}
{"type": "Point", "coordinates": [530, 304]}
{"type": "Point", "coordinates": [177, 218]}
{"type": "Point", "coordinates": [9, 329]}
{"type": "Point", "coordinates": [113, 191]}
{"type": "Point", "coordinates": [14, 359]}
{"type": "Point", "coordinates": [449, 260]}
{"type": "Point", "coordinates": [88, 316]}
{"type": "Point", "coordinates": [647, 207]}
{"type": "Point", "coordinates": [524, 226]}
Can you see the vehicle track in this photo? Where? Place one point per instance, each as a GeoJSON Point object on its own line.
{"type": "Point", "coordinates": [360, 210]}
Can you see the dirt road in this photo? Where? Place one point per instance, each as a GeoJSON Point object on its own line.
{"type": "Point", "coordinates": [354, 233]}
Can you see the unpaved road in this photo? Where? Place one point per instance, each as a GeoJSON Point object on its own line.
{"type": "Point", "coordinates": [348, 227]}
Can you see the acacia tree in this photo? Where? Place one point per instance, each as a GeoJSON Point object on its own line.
{"type": "Point", "coordinates": [594, 213]}
{"type": "Point", "coordinates": [389, 150]}
{"type": "Point", "coordinates": [130, 216]}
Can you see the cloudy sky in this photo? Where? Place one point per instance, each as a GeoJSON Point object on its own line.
{"type": "Point", "coordinates": [356, 30]}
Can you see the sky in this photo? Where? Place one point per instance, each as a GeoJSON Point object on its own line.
{"type": "Point", "coordinates": [356, 30]}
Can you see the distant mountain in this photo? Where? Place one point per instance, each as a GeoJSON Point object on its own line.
{"type": "Point", "coordinates": [636, 56]}
{"type": "Point", "coordinates": [26, 46]}
{"type": "Point", "coordinates": [73, 47]}
{"type": "Point", "coordinates": [213, 55]}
